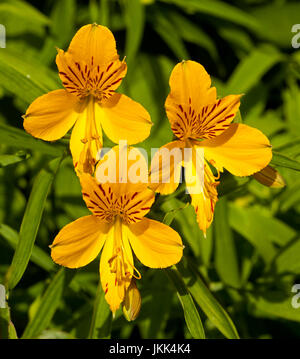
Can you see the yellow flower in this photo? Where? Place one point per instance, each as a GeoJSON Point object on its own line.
{"type": "Point", "coordinates": [91, 72]}
{"type": "Point", "coordinates": [203, 124]}
{"type": "Point", "coordinates": [117, 226]}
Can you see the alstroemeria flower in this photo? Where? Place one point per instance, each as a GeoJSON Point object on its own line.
{"type": "Point", "coordinates": [117, 226]}
{"type": "Point", "coordinates": [202, 122]}
{"type": "Point", "coordinates": [90, 72]}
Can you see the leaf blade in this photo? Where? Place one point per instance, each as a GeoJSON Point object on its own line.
{"type": "Point", "coordinates": [30, 223]}
{"type": "Point", "coordinates": [191, 315]}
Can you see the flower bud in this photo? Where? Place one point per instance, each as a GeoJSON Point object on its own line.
{"type": "Point", "coordinates": [269, 177]}
{"type": "Point", "coordinates": [132, 302]}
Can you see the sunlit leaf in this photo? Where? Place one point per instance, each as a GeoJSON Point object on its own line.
{"type": "Point", "coordinates": [191, 315]}
{"type": "Point", "coordinates": [226, 259]}
{"type": "Point", "coordinates": [207, 302]}
{"type": "Point", "coordinates": [100, 327]}
{"type": "Point", "coordinates": [48, 304]}
{"type": "Point", "coordinates": [30, 223]}
{"type": "Point", "coordinates": [20, 139]}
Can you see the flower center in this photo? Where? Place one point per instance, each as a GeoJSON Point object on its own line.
{"type": "Point", "coordinates": [98, 81]}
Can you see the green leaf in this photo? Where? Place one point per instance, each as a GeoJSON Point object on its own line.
{"type": "Point", "coordinates": [230, 184]}
{"type": "Point", "coordinates": [276, 20]}
{"type": "Point", "coordinates": [135, 19]}
{"type": "Point", "coordinates": [191, 315]}
{"type": "Point", "coordinates": [31, 221]}
{"type": "Point", "coordinates": [281, 160]}
{"type": "Point", "coordinates": [48, 304]}
{"type": "Point", "coordinates": [225, 251]}
{"type": "Point", "coordinates": [100, 327]}
{"type": "Point", "coordinates": [186, 218]}
{"type": "Point", "coordinates": [6, 160]}
{"type": "Point", "coordinates": [220, 10]}
{"type": "Point", "coordinates": [169, 216]}
{"type": "Point", "coordinates": [27, 80]}
{"type": "Point", "coordinates": [274, 304]}
{"type": "Point", "coordinates": [192, 33]}
{"type": "Point", "coordinates": [63, 21]}
{"type": "Point", "coordinates": [251, 69]}
{"type": "Point", "coordinates": [104, 12]}
{"type": "Point", "coordinates": [207, 302]}
{"type": "Point", "coordinates": [19, 17]}
{"type": "Point", "coordinates": [254, 225]}
{"type": "Point", "coordinates": [169, 33]}
{"type": "Point", "coordinates": [291, 106]}
{"type": "Point", "coordinates": [288, 261]}
{"type": "Point", "coordinates": [7, 329]}
{"type": "Point", "coordinates": [19, 138]}
{"type": "Point", "coordinates": [38, 256]}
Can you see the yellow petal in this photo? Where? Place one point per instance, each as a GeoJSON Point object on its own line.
{"type": "Point", "coordinates": [190, 81]}
{"type": "Point", "coordinates": [189, 91]}
{"type": "Point", "coordinates": [165, 172]}
{"type": "Point", "coordinates": [106, 200]}
{"type": "Point", "coordinates": [116, 267]}
{"type": "Point", "coordinates": [194, 169]}
{"type": "Point", "coordinates": [79, 242]}
{"type": "Point", "coordinates": [213, 119]}
{"type": "Point", "coordinates": [204, 208]}
{"type": "Point", "coordinates": [241, 149]}
{"type": "Point", "coordinates": [155, 244]}
{"type": "Point", "coordinates": [202, 188]}
{"type": "Point", "coordinates": [86, 140]}
{"type": "Point", "coordinates": [124, 119]}
{"type": "Point", "coordinates": [50, 116]}
{"type": "Point", "coordinates": [94, 44]}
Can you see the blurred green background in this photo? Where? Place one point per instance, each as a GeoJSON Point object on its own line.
{"type": "Point", "coordinates": [251, 257]}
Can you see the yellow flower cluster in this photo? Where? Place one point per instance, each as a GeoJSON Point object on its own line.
{"type": "Point", "coordinates": [91, 71]}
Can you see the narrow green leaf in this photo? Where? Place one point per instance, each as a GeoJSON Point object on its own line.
{"type": "Point", "coordinates": [191, 315]}
{"type": "Point", "coordinates": [19, 138]}
{"type": "Point", "coordinates": [49, 303]}
{"type": "Point", "coordinates": [207, 302]}
{"type": "Point", "coordinates": [276, 20]}
{"type": "Point", "coordinates": [135, 19]}
{"type": "Point", "coordinates": [288, 261]}
{"type": "Point", "coordinates": [169, 216]}
{"type": "Point", "coordinates": [185, 216]}
{"type": "Point", "coordinates": [94, 11]}
{"type": "Point", "coordinates": [38, 256]}
{"type": "Point", "coordinates": [191, 32]}
{"type": "Point", "coordinates": [230, 184]}
{"type": "Point", "coordinates": [6, 160]}
{"type": "Point", "coordinates": [225, 251]}
{"type": "Point", "coordinates": [253, 226]}
{"type": "Point", "coordinates": [274, 304]}
{"type": "Point", "coordinates": [100, 327]}
{"type": "Point", "coordinates": [220, 10]}
{"type": "Point", "coordinates": [281, 160]}
{"type": "Point", "coordinates": [251, 69]}
{"type": "Point", "coordinates": [30, 223]}
{"type": "Point", "coordinates": [63, 21]}
{"type": "Point", "coordinates": [7, 329]}
{"type": "Point", "coordinates": [104, 12]}
{"type": "Point", "coordinates": [26, 16]}
{"type": "Point", "coordinates": [169, 33]}
{"type": "Point", "coordinates": [26, 80]}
